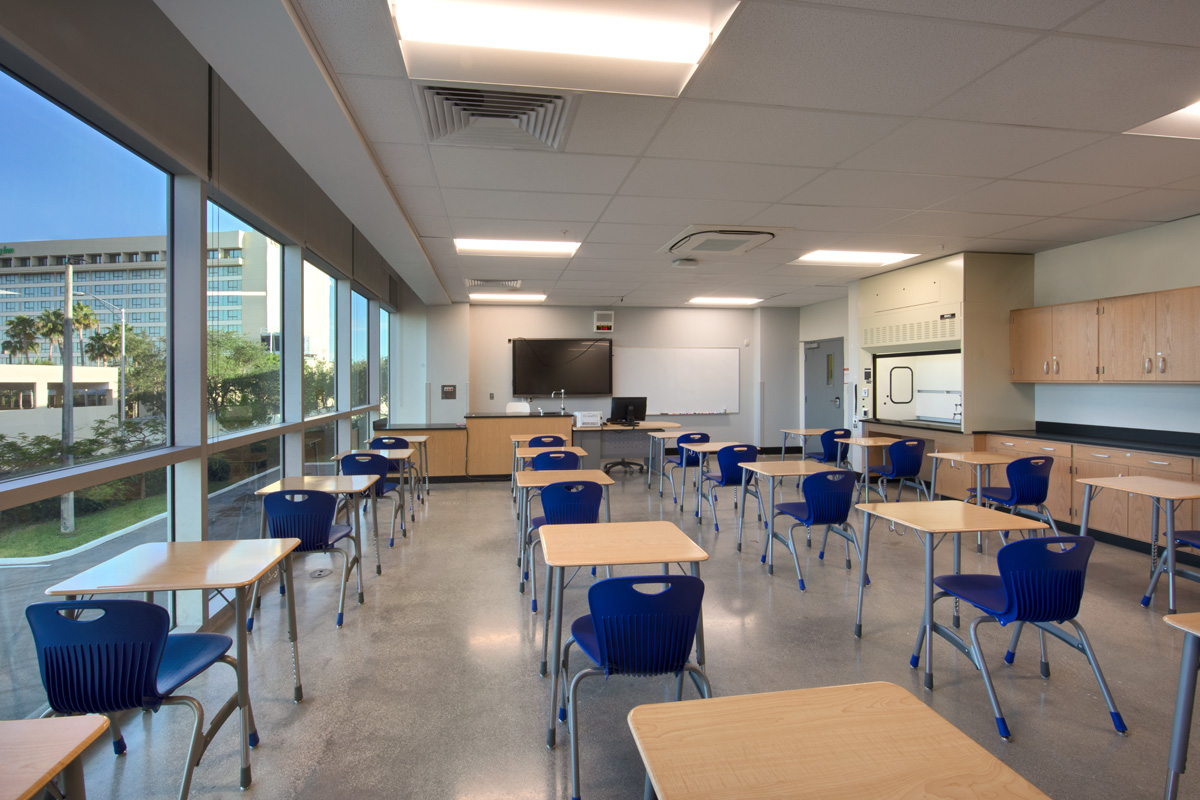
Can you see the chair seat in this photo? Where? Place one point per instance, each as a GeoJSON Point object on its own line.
{"type": "Point", "coordinates": [186, 655]}
{"type": "Point", "coordinates": [537, 522]}
{"type": "Point", "coordinates": [799, 510]}
{"type": "Point", "coordinates": [1188, 538]}
{"type": "Point", "coordinates": [585, 637]}
{"type": "Point", "coordinates": [692, 461]}
{"type": "Point", "coordinates": [997, 494]}
{"type": "Point", "coordinates": [985, 592]}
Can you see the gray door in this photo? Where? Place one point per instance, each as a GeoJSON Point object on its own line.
{"type": "Point", "coordinates": [823, 390]}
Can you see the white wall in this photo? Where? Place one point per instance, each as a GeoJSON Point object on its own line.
{"type": "Point", "coordinates": [1151, 259]}
{"type": "Point", "coordinates": [765, 337]}
{"type": "Point", "coordinates": [448, 335]}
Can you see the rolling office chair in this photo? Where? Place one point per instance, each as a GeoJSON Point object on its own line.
{"type": "Point", "coordinates": [1038, 584]}
{"type": "Point", "coordinates": [629, 632]}
{"type": "Point", "coordinates": [680, 461]}
{"type": "Point", "coordinates": [563, 503]}
{"type": "Point", "coordinates": [828, 497]}
{"type": "Point", "coordinates": [1028, 485]}
{"type": "Point", "coordinates": [904, 465]}
{"type": "Point", "coordinates": [125, 659]}
{"type": "Point", "coordinates": [729, 461]}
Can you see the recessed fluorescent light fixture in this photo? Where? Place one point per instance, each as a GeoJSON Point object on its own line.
{"type": "Point", "coordinates": [581, 44]}
{"type": "Point", "coordinates": [512, 297]}
{"type": "Point", "coordinates": [1181, 124]}
{"type": "Point", "coordinates": [859, 257]}
{"type": "Point", "coordinates": [514, 247]}
{"type": "Point", "coordinates": [725, 301]}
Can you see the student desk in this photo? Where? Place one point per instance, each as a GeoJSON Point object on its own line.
{"type": "Point", "coordinates": [608, 543]}
{"type": "Point", "coordinates": [981, 461]}
{"type": "Point", "coordinates": [869, 740]}
{"type": "Point", "coordinates": [1185, 698]}
{"type": "Point", "coordinates": [773, 470]}
{"type": "Point", "coordinates": [803, 434]}
{"type": "Point", "coordinates": [1164, 493]}
{"type": "Point", "coordinates": [35, 750]}
{"type": "Point", "coordinates": [934, 519]}
{"type": "Point", "coordinates": [353, 487]}
{"type": "Point", "coordinates": [658, 444]}
{"type": "Point", "coordinates": [208, 565]}
{"type": "Point", "coordinates": [517, 439]}
{"type": "Point", "coordinates": [391, 454]}
{"type": "Point", "coordinates": [866, 443]}
{"type": "Point", "coordinates": [422, 447]}
{"type": "Point", "coordinates": [701, 449]}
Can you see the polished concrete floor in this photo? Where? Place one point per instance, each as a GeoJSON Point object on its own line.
{"type": "Point", "coordinates": [431, 689]}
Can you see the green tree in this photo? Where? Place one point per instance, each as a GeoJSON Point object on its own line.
{"type": "Point", "coordinates": [319, 388]}
{"type": "Point", "coordinates": [50, 327]}
{"type": "Point", "coordinates": [243, 380]}
{"type": "Point", "coordinates": [145, 374]}
{"type": "Point", "coordinates": [105, 346]}
{"type": "Point", "coordinates": [84, 319]}
{"type": "Point", "coordinates": [22, 337]}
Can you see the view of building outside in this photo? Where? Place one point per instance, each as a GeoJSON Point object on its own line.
{"type": "Point", "coordinates": [320, 341]}
{"type": "Point", "coordinates": [385, 376]}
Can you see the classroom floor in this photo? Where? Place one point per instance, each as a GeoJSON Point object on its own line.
{"type": "Point", "coordinates": [431, 689]}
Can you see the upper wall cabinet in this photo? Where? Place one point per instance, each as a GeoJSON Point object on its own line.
{"type": "Point", "coordinates": [1054, 343]}
{"type": "Point", "coordinates": [1131, 339]}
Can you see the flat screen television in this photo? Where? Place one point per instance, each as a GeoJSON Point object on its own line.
{"type": "Point", "coordinates": [581, 367]}
{"type": "Point", "coordinates": [628, 410]}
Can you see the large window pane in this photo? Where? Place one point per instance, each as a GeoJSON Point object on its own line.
{"type": "Point", "coordinates": [125, 513]}
{"type": "Point", "coordinates": [233, 478]}
{"type": "Point", "coordinates": [244, 331]}
{"type": "Point", "coordinates": [360, 431]}
{"type": "Point", "coordinates": [358, 350]}
{"type": "Point", "coordinates": [385, 375]}
{"type": "Point", "coordinates": [320, 341]}
{"type": "Point", "coordinates": [320, 446]}
{"type": "Point", "coordinates": [78, 210]}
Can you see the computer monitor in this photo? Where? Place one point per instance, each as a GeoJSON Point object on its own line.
{"type": "Point", "coordinates": [628, 410]}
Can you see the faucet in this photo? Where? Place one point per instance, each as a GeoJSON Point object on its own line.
{"type": "Point", "coordinates": [562, 393]}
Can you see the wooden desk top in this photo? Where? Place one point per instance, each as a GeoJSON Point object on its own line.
{"type": "Point", "coordinates": [647, 542]}
{"type": "Point", "coordinates": [870, 740]}
{"type": "Point", "coordinates": [950, 516]}
{"type": "Point", "coordinates": [392, 454]}
{"type": "Point", "coordinates": [867, 441]}
{"type": "Point", "coordinates": [1188, 623]}
{"type": "Point", "coordinates": [517, 438]}
{"type": "Point", "coordinates": [668, 434]}
{"type": "Point", "coordinates": [781, 469]}
{"type": "Point", "coordinates": [533, 479]}
{"type": "Point", "coordinates": [334, 484]}
{"type": "Point", "coordinates": [1166, 488]}
{"type": "Point", "coordinates": [706, 447]}
{"type": "Point", "coordinates": [974, 457]}
{"type": "Point", "coordinates": [166, 566]}
{"type": "Point", "coordinates": [35, 750]}
{"type": "Point", "coordinates": [804, 431]}
{"type": "Point", "coordinates": [530, 452]}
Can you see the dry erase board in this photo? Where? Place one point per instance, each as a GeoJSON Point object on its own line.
{"type": "Point", "coordinates": [679, 380]}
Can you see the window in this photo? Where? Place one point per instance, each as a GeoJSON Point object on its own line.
{"type": "Point", "coordinates": [358, 350]}
{"type": "Point", "coordinates": [233, 253]}
{"type": "Point", "coordinates": [151, 257]}
{"type": "Point", "coordinates": [15, 396]}
{"type": "Point", "coordinates": [320, 341]}
{"type": "Point", "coordinates": [214, 254]}
{"type": "Point", "coordinates": [385, 375]}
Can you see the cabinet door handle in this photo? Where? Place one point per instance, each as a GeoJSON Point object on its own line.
{"type": "Point", "coordinates": [1099, 455]}
{"type": "Point", "coordinates": [1148, 367]}
{"type": "Point", "coordinates": [1045, 367]}
{"type": "Point", "coordinates": [1009, 444]}
{"type": "Point", "coordinates": [1051, 449]}
{"type": "Point", "coordinates": [1056, 366]}
{"type": "Point", "coordinates": [1162, 463]}
{"type": "Point", "coordinates": [1162, 364]}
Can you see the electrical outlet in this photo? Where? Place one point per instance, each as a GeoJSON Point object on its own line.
{"type": "Point", "coordinates": [491, 395]}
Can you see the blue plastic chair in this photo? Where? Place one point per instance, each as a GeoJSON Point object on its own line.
{"type": "Point", "coordinates": [904, 465]}
{"type": "Point", "coordinates": [1028, 486]}
{"type": "Point", "coordinates": [1040, 583]}
{"type": "Point", "coordinates": [629, 632]}
{"type": "Point", "coordinates": [547, 440]}
{"type": "Point", "coordinates": [375, 464]}
{"type": "Point", "coordinates": [401, 469]}
{"type": "Point", "coordinates": [833, 452]}
{"type": "Point", "coordinates": [122, 660]}
{"type": "Point", "coordinates": [680, 461]}
{"type": "Point", "coordinates": [308, 516]}
{"type": "Point", "coordinates": [729, 473]}
{"type": "Point", "coordinates": [563, 503]}
{"type": "Point", "coordinates": [556, 459]}
{"type": "Point", "coordinates": [828, 497]}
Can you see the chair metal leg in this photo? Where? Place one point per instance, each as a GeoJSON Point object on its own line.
{"type": "Point", "coordinates": [1012, 645]}
{"type": "Point", "coordinates": [1086, 647]}
{"type": "Point", "coordinates": [977, 656]}
{"type": "Point", "coordinates": [573, 727]}
{"type": "Point", "coordinates": [1045, 665]}
{"type": "Point", "coordinates": [345, 580]}
{"type": "Point", "coordinates": [196, 748]}
{"type": "Point", "coordinates": [795, 558]}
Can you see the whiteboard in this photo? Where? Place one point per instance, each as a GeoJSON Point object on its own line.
{"type": "Point", "coordinates": [679, 380]}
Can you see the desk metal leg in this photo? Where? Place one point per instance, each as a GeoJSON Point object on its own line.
{"type": "Point", "coordinates": [979, 502]}
{"type": "Point", "coordinates": [513, 482]}
{"type": "Point", "coordinates": [1169, 509]}
{"type": "Point", "coordinates": [546, 617]}
{"type": "Point", "coordinates": [1185, 700]}
{"type": "Point", "coordinates": [375, 525]}
{"type": "Point", "coordinates": [246, 717]}
{"type": "Point", "coordinates": [742, 510]}
{"type": "Point", "coordinates": [555, 651]}
{"type": "Point", "coordinates": [933, 480]}
{"type": "Point", "coordinates": [73, 779]}
{"type": "Point", "coordinates": [862, 571]}
{"type": "Point", "coordinates": [293, 630]}
{"type": "Point", "coordinates": [928, 610]}
{"type": "Point", "coordinates": [650, 464]}
{"type": "Point", "coordinates": [607, 508]}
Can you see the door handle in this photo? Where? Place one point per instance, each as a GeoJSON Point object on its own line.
{"type": "Point", "coordinates": [837, 402]}
{"type": "Point", "coordinates": [1045, 367]}
{"type": "Point", "coordinates": [1162, 364]}
{"type": "Point", "coordinates": [1056, 366]}
{"type": "Point", "coordinates": [1148, 366]}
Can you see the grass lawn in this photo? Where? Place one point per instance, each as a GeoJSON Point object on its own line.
{"type": "Point", "coordinates": [44, 538]}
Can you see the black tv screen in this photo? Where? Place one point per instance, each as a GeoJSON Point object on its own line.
{"type": "Point", "coordinates": [578, 366]}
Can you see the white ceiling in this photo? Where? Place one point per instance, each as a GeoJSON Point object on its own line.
{"type": "Point", "coordinates": [906, 125]}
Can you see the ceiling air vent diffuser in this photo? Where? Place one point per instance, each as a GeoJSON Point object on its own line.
{"type": "Point", "coordinates": [714, 241]}
{"type": "Point", "coordinates": [493, 285]}
{"type": "Point", "coordinates": [475, 117]}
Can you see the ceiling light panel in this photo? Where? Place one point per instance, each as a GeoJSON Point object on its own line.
{"type": "Point", "coordinates": [725, 301]}
{"type": "Point", "coordinates": [484, 247]}
{"type": "Point", "coordinates": [1181, 124]}
{"type": "Point", "coordinates": [508, 297]}
{"type": "Point", "coordinates": [865, 258]}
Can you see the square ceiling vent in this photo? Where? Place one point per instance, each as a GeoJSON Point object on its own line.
{"type": "Point", "coordinates": [494, 117]}
{"type": "Point", "coordinates": [715, 241]}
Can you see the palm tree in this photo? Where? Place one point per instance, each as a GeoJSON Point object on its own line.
{"type": "Point", "coordinates": [50, 327]}
{"type": "Point", "coordinates": [103, 347]}
{"type": "Point", "coordinates": [85, 319]}
{"type": "Point", "coordinates": [22, 338]}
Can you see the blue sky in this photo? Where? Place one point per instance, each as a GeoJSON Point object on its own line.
{"type": "Point", "coordinates": [61, 179]}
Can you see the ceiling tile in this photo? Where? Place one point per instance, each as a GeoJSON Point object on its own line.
{"type": "Point", "coordinates": [900, 243]}
{"type": "Point", "coordinates": [966, 148]}
{"type": "Point", "coordinates": [614, 265]}
{"type": "Point", "coordinates": [618, 252]}
{"type": "Point", "coordinates": [673, 210]}
{"type": "Point", "coordinates": [847, 187]}
{"type": "Point", "coordinates": [826, 218]}
{"type": "Point", "coordinates": [1045, 14]}
{"type": "Point", "coordinates": [1002, 245]}
{"type": "Point", "coordinates": [659, 177]}
{"type": "Point", "coordinates": [470, 228]}
{"type": "Point", "coordinates": [1123, 161]}
{"type": "Point", "coordinates": [384, 108]}
{"type": "Point", "coordinates": [1156, 205]}
{"type": "Point", "coordinates": [434, 227]}
{"type": "Point", "coordinates": [952, 223]}
{"type": "Point", "coordinates": [1098, 85]}
{"type": "Point", "coordinates": [786, 242]}
{"type": "Point", "coordinates": [816, 57]}
{"type": "Point", "coordinates": [1031, 197]}
{"type": "Point", "coordinates": [406, 164]}
{"type": "Point", "coordinates": [524, 205]}
{"type": "Point", "coordinates": [425, 200]}
{"type": "Point", "coordinates": [616, 124]}
{"type": "Point", "coordinates": [1164, 21]}
{"type": "Point", "coordinates": [1062, 229]}
{"type": "Point", "coordinates": [622, 233]}
{"type": "Point", "coordinates": [721, 131]}
{"type": "Point", "coordinates": [356, 36]}
{"type": "Point", "coordinates": [476, 168]}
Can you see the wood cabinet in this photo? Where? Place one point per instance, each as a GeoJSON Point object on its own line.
{"type": "Point", "coordinates": [1110, 510]}
{"type": "Point", "coordinates": [1059, 497]}
{"type": "Point", "coordinates": [1127, 336]}
{"type": "Point", "coordinates": [1177, 329]}
{"type": "Point", "coordinates": [953, 479]}
{"type": "Point", "coordinates": [1054, 343]}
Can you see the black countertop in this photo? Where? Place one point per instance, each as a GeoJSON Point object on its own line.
{"type": "Point", "coordinates": [385, 425]}
{"type": "Point", "coordinates": [502, 414]}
